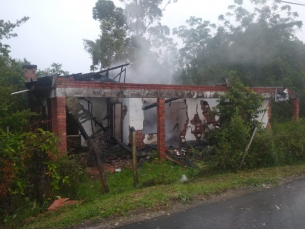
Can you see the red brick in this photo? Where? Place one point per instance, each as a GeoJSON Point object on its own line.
{"type": "Point", "coordinates": [296, 109]}
{"type": "Point", "coordinates": [161, 128]}
{"type": "Point", "coordinates": [58, 122]}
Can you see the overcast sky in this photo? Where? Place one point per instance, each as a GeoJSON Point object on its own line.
{"type": "Point", "coordinates": [56, 28]}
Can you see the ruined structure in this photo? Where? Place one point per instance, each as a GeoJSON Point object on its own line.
{"type": "Point", "coordinates": [161, 114]}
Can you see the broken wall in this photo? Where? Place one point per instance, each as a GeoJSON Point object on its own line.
{"type": "Point", "coordinates": [134, 117]}
{"type": "Point", "coordinates": [265, 115]}
{"type": "Point", "coordinates": [185, 119]}
{"type": "Point", "coordinates": [179, 123]}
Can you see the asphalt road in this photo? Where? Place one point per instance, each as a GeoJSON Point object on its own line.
{"type": "Point", "coordinates": [279, 207]}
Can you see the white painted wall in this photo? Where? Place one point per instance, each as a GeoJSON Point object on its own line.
{"type": "Point", "coordinates": [136, 113]}
{"type": "Point", "coordinates": [134, 117]}
{"type": "Point", "coordinates": [263, 117]}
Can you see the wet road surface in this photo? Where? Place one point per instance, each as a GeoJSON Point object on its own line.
{"type": "Point", "coordinates": [281, 207]}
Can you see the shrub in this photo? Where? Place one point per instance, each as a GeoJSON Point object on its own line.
{"type": "Point", "coordinates": [290, 140]}
{"type": "Point", "coordinates": [238, 98]}
{"type": "Point", "coordinates": [281, 111]}
{"type": "Point", "coordinates": [71, 173]}
{"type": "Point", "coordinates": [263, 152]}
{"type": "Point", "coordinates": [28, 168]}
{"type": "Point", "coordinates": [282, 145]}
{"type": "Point", "coordinates": [237, 109]}
{"type": "Point", "coordinates": [231, 143]}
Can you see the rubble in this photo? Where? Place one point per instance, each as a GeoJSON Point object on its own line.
{"type": "Point", "coordinates": [62, 202]}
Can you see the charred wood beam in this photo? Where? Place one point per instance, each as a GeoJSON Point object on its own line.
{"type": "Point", "coordinates": [155, 104]}
{"type": "Point", "coordinates": [128, 148]}
{"type": "Point", "coordinates": [81, 129]}
{"type": "Point", "coordinates": [99, 124]}
{"type": "Point", "coordinates": [88, 76]}
{"type": "Point", "coordinates": [113, 68]}
{"type": "Point", "coordinates": [122, 144]}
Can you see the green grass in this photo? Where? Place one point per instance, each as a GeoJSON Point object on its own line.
{"type": "Point", "coordinates": [159, 187]}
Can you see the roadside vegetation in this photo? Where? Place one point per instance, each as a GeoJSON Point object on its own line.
{"type": "Point", "coordinates": [124, 199]}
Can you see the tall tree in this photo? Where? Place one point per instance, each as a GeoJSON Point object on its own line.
{"type": "Point", "coordinates": [13, 113]}
{"type": "Point", "coordinates": [259, 47]}
{"type": "Point", "coordinates": [6, 31]}
{"type": "Point", "coordinates": [132, 34]}
{"type": "Point", "coordinates": [54, 69]}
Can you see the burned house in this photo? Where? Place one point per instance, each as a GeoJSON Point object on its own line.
{"type": "Point", "coordinates": [80, 106]}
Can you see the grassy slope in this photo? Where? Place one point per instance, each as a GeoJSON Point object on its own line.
{"type": "Point", "coordinates": [159, 186]}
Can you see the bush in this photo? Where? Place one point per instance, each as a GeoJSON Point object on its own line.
{"type": "Point", "coordinates": [290, 140]}
{"type": "Point", "coordinates": [281, 111]}
{"type": "Point", "coordinates": [30, 168]}
{"type": "Point", "coordinates": [71, 173]}
{"type": "Point", "coordinates": [263, 152]}
{"type": "Point", "coordinates": [22, 157]}
{"type": "Point", "coordinates": [284, 144]}
{"type": "Point", "coordinates": [230, 143]}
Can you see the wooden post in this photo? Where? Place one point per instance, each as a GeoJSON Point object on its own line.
{"type": "Point", "coordinates": [134, 156]}
{"type": "Point", "coordinates": [248, 146]}
{"type": "Point", "coordinates": [161, 128]}
{"type": "Point", "coordinates": [100, 165]}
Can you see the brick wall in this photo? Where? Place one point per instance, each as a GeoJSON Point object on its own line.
{"type": "Point", "coordinates": [58, 122]}
{"type": "Point", "coordinates": [140, 138]}
{"type": "Point", "coordinates": [71, 83]}
{"type": "Point", "coordinates": [161, 128]}
{"type": "Point", "coordinates": [296, 109]}
{"type": "Point", "coordinates": [269, 115]}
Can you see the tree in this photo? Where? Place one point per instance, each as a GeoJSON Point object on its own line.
{"type": "Point", "coordinates": [237, 110]}
{"type": "Point", "coordinates": [13, 112]}
{"type": "Point", "coordinates": [6, 31]}
{"type": "Point", "coordinates": [133, 34]}
{"type": "Point", "coordinates": [54, 69]}
{"type": "Point", "coordinates": [29, 168]}
{"type": "Point", "coordinates": [238, 100]}
{"type": "Point", "coordinates": [258, 47]}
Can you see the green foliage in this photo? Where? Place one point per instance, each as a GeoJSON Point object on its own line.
{"type": "Point", "coordinates": [284, 144]}
{"type": "Point", "coordinates": [281, 111]}
{"type": "Point", "coordinates": [238, 99]}
{"type": "Point", "coordinates": [69, 174]}
{"type": "Point", "coordinates": [237, 109]}
{"type": "Point", "coordinates": [13, 113]}
{"type": "Point", "coordinates": [18, 154]}
{"type": "Point", "coordinates": [29, 168]}
{"type": "Point", "coordinates": [133, 34]}
{"type": "Point", "coordinates": [230, 143]}
{"type": "Point", "coordinates": [98, 206]}
{"type": "Point", "coordinates": [32, 174]}
{"type": "Point", "coordinates": [6, 31]}
{"type": "Point", "coordinates": [289, 140]}
{"type": "Point", "coordinates": [262, 152]}
{"type": "Point", "coordinates": [54, 69]}
{"type": "Point", "coordinates": [158, 172]}
{"type": "Point", "coordinates": [259, 47]}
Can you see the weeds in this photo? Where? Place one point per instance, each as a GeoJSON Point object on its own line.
{"type": "Point", "coordinates": [124, 197]}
